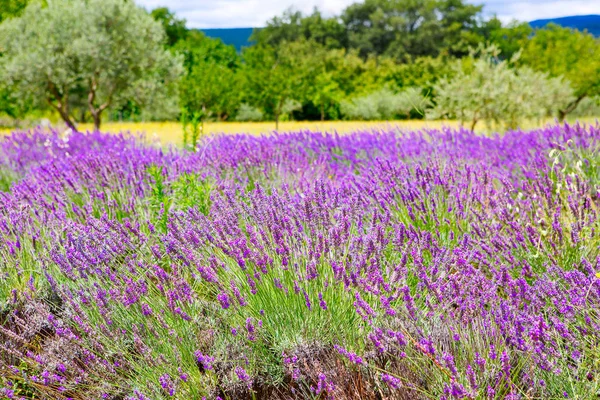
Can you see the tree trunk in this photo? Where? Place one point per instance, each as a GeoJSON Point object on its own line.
{"type": "Point", "coordinates": [97, 121]}
{"type": "Point", "coordinates": [66, 118]}
{"type": "Point", "coordinates": [473, 123]}
{"type": "Point", "coordinates": [277, 113]}
{"type": "Point", "coordinates": [322, 112]}
{"type": "Point", "coordinates": [572, 106]}
{"type": "Point", "coordinates": [96, 111]}
{"type": "Point", "coordinates": [63, 111]}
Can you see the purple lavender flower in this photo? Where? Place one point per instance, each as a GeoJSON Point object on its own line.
{"type": "Point", "coordinates": [223, 299]}
{"type": "Point", "coordinates": [307, 300]}
{"type": "Point", "coordinates": [167, 384]}
{"type": "Point", "coordinates": [243, 375]}
{"type": "Point", "coordinates": [391, 381]}
{"type": "Point", "coordinates": [204, 362]}
{"type": "Point", "coordinates": [322, 302]}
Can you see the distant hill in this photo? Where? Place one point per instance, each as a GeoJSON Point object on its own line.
{"type": "Point", "coordinates": [238, 37]}
{"type": "Point", "coordinates": [591, 23]}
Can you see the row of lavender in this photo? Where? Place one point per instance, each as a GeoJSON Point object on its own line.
{"type": "Point", "coordinates": [372, 265]}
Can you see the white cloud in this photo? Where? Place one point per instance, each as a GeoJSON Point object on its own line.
{"type": "Point", "coordinates": [240, 13]}
{"type": "Point", "coordinates": [531, 10]}
{"type": "Point", "coordinates": [255, 13]}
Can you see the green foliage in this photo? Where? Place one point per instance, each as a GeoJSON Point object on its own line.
{"type": "Point", "coordinates": [160, 201]}
{"type": "Point", "coordinates": [294, 26]}
{"type": "Point", "coordinates": [423, 72]}
{"type": "Point", "coordinates": [384, 104]}
{"type": "Point", "coordinates": [211, 89]}
{"type": "Point", "coordinates": [115, 56]}
{"type": "Point", "coordinates": [11, 8]}
{"type": "Point", "coordinates": [486, 88]}
{"type": "Point", "coordinates": [325, 81]}
{"type": "Point", "coordinates": [411, 99]}
{"type": "Point", "coordinates": [191, 191]}
{"type": "Point", "coordinates": [321, 78]}
{"type": "Point", "coordinates": [508, 38]}
{"type": "Point", "coordinates": [97, 53]}
{"type": "Point", "coordinates": [406, 28]}
{"type": "Point", "coordinates": [370, 107]}
{"type": "Point", "coordinates": [270, 78]}
{"type": "Point", "coordinates": [248, 113]}
{"type": "Point", "coordinates": [211, 85]}
{"type": "Point", "coordinates": [402, 29]}
{"type": "Point", "coordinates": [7, 177]}
{"type": "Point", "coordinates": [289, 106]}
{"type": "Point", "coordinates": [588, 107]}
{"type": "Point", "coordinates": [174, 27]}
{"type": "Point", "coordinates": [13, 106]}
{"type": "Point", "coordinates": [193, 127]}
{"type": "Point", "coordinates": [563, 52]}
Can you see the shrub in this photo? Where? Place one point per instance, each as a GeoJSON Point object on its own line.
{"type": "Point", "coordinates": [248, 113]}
{"type": "Point", "coordinates": [384, 104]}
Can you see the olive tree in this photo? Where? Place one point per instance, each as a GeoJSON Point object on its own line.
{"type": "Point", "coordinates": [484, 88]}
{"type": "Point", "coordinates": [385, 104]}
{"type": "Point", "coordinates": [86, 53]}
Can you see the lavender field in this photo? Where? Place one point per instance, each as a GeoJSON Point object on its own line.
{"type": "Point", "coordinates": [373, 265]}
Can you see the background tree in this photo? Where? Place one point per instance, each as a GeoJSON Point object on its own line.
{"type": "Point", "coordinates": [409, 28]}
{"type": "Point", "coordinates": [316, 69]}
{"type": "Point", "coordinates": [270, 78]}
{"type": "Point", "coordinates": [9, 104]}
{"type": "Point", "coordinates": [508, 38]}
{"type": "Point", "coordinates": [13, 106]}
{"type": "Point", "coordinates": [384, 104]}
{"type": "Point", "coordinates": [211, 90]}
{"type": "Point", "coordinates": [174, 27]}
{"type": "Point", "coordinates": [248, 113]}
{"type": "Point", "coordinates": [110, 49]}
{"type": "Point", "coordinates": [211, 84]}
{"type": "Point", "coordinates": [294, 26]}
{"type": "Point", "coordinates": [485, 88]}
{"type": "Point", "coordinates": [565, 52]}
{"type": "Point", "coordinates": [423, 72]}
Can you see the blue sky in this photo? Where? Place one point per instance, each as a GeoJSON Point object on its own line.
{"type": "Point", "coordinates": [254, 13]}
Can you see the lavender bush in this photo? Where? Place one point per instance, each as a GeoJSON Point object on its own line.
{"type": "Point", "coordinates": [374, 265]}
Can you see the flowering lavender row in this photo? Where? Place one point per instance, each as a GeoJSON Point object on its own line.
{"type": "Point", "coordinates": [385, 264]}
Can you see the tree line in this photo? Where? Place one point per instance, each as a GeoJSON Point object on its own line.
{"type": "Point", "coordinates": [85, 60]}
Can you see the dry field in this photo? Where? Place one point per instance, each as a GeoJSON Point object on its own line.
{"type": "Point", "coordinates": [171, 132]}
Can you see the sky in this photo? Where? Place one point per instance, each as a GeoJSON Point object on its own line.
{"type": "Point", "coordinates": [255, 13]}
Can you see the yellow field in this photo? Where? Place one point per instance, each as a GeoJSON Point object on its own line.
{"type": "Point", "coordinates": [171, 132]}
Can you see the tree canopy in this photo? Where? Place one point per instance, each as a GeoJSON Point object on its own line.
{"type": "Point", "coordinates": [97, 53]}
{"type": "Point", "coordinates": [568, 53]}
{"type": "Point", "coordinates": [174, 27]}
{"type": "Point", "coordinates": [270, 78]}
{"type": "Point", "coordinates": [11, 8]}
{"type": "Point", "coordinates": [402, 29]}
